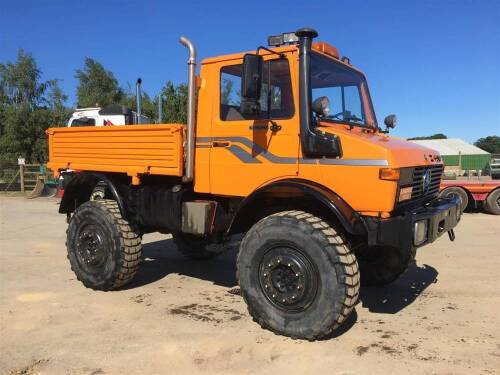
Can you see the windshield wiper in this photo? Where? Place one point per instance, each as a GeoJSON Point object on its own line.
{"type": "Point", "coordinates": [355, 118]}
{"type": "Point", "coordinates": [343, 121]}
{"type": "Point", "coordinates": [333, 116]}
{"type": "Point", "coordinates": [347, 117]}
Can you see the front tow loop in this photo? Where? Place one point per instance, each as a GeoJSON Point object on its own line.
{"type": "Point", "coordinates": [451, 235]}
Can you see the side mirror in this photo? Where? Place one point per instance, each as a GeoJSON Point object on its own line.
{"type": "Point", "coordinates": [390, 121]}
{"type": "Point", "coordinates": [251, 83]}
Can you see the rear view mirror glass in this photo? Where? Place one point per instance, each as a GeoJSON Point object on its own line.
{"type": "Point", "coordinates": [252, 77]}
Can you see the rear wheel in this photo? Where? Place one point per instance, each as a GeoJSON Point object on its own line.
{"type": "Point", "coordinates": [104, 250]}
{"type": "Point", "coordinates": [381, 265]}
{"type": "Point", "coordinates": [454, 191]}
{"type": "Point", "coordinates": [492, 202]}
{"type": "Point", "coordinates": [196, 247]}
{"type": "Point", "coordinates": [297, 275]}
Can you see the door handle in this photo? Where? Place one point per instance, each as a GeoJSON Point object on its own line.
{"type": "Point", "coordinates": [221, 143]}
{"type": "Point", "coordinates": [275, 127]}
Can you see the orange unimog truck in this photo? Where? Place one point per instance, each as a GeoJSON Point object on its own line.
{"type": "Point", "coordinates": [282, 147]}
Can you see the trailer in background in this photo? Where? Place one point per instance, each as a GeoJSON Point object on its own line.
{"type": "Point", "coordinates": [473, 193]}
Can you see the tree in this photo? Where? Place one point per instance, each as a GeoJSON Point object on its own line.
{"type": "Point", "coordinates": [489, 144]}
{"type": "Point", "coordinates": [174, 103]}
{"type": "Point", "coordinates": [28, 107]}
{"type": "Point", "coordinates": [97, 86]}
{"type": "Point", "coordinates": [226, 91]}
{"type": "Point", "coordinates": [434, 136]}
{"type": "Point", "coordinates": [20, 82]}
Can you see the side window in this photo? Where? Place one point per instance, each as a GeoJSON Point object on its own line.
{"type": "Point", "coordinates": [230, 98]}
{"type": "Point", "coordinates": [276, 100]}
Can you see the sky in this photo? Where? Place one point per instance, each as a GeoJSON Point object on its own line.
{"type": "Point", "coordinates": [433, 63]}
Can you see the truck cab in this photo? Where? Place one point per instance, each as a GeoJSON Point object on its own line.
{"type": "Point", "coordinates": [283, 157]}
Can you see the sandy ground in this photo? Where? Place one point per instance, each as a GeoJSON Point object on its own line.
{"type": "Point", "coordinates": [180, 317]}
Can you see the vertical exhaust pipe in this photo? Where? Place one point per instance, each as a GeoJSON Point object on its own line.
{"type": "Point", "coordinates": [138, 100]}
{"type": "Point", "coordinates": [189, 150]}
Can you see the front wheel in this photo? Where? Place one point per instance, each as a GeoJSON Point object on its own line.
{"type": "Point", "coordinates": [297, 275]}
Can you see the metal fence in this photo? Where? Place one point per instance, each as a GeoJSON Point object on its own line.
{"type": "Point", "coordinates": [14, 177]}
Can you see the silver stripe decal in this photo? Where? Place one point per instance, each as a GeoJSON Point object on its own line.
{"type": "Point", "coordinates": [358, 162]}
{"type": "Point", "coordinates": [244, 156]}
{"type": "Point", "coordinates": [260, 151]}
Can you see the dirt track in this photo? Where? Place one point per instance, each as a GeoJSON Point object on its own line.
{"type": "Point", "coordinates": [180, 317]}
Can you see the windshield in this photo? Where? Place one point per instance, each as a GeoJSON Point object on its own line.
{"type": "Point", "coordinates": [346, 90]}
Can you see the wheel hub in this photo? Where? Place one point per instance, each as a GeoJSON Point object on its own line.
{"type": "Point", "coordinates": [287, 279]}
{"type": "Point", "coordinates": [90, 246]}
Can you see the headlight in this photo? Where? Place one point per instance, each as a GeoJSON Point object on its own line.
{"type": "Point", "coordinates": [420, 232]}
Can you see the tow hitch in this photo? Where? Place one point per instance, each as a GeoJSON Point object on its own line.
{"type": "Point", "coordinates": [451, 235]}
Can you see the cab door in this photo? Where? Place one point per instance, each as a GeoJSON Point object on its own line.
{"type": "Point", "coordinates": [249, 151]}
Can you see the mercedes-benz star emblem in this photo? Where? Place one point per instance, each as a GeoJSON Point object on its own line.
{"type": "Point", "coordinates": [426, 181]}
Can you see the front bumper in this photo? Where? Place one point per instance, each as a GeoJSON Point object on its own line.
{"type": "Point", "coordinates": [438, 216]}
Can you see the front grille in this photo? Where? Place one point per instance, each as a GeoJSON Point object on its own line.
{"type": "Point", "coordinates": [419, 191]}
{"type": "Point", "coordinates": [413, 177]}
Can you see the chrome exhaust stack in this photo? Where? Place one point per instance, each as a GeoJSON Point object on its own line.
{"type": "Point", "coordinates": [188, 174]}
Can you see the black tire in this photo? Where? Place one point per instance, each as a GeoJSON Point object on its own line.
{"type": "Point", "coordinates": [492, 202]}
{"type": "Point", "coordinates": [381, 265]}
{"type": "Point", "coordinates": [99, 192]}
{"type": "Point", "coordinates": [297, 275]}
{"type": "Point", "coordinates": [195, 247]}
{"type": "Point", "coordinates": [456, 192]}
{"type": "Point", "coordinates": [104, 250]}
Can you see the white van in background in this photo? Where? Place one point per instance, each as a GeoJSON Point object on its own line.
{"type": "Point", "coordinates": [107, 116]}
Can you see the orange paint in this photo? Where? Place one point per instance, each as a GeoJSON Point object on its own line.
{"type": "Point", "coordinates": [130, 149]}
{"type": "Point", "coordinates": [138, 150]}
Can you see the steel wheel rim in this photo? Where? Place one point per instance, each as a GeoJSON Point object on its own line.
{"type": "Point", "coordinates": [90, 248]}
{"type": "Point", "coordinates": [288, 278]}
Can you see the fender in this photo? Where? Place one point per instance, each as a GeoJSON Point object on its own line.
{"type": "Point", "coordinates": [80, 188]}
{"type": "Point", "coordinates": [347, 216]}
